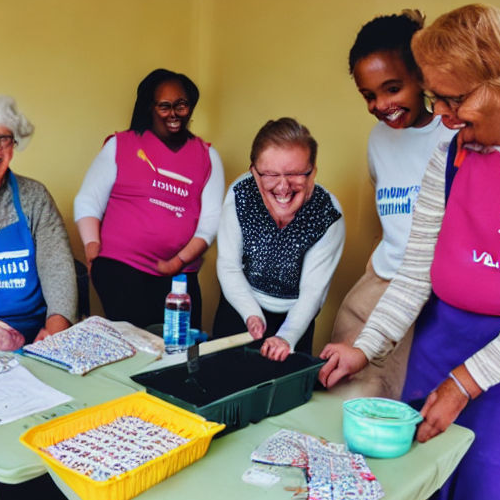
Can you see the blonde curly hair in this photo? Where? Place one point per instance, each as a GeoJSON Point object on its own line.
{"type": "Point", "coordinates": [464, 43]}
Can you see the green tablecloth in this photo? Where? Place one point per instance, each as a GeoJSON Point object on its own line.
{"type": "Point", "coordinates": [17, 463]}
{"type": "Point", "coordinates": [414, 476]}
{"type": "Point", "coordinates": [411, 477]}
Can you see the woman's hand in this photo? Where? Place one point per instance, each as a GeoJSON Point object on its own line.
{"type": "Point", "coordinates": [92, 250]}
{"type": "Point", "coordinates": [256, 327]}
{"type": "Point", "coordinates": [10, 338]}
{"type": "Point", "coordinates": [342, 360]}
{"type": "Point", "coordinates": [444, 404]}
{"type": "Point", "coordinates": [275, 348]}
{"type": "Point", "coordinates": [53, 324]}
{"type": "Point", "coordinates": [192, 251]}
{"type": "Point", "coordinates": [441, 408]}
{"type": "Point", "coordinates": [170, 267]}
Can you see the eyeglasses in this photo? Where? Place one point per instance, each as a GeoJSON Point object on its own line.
{"type": "Point", "coordinates": [7, 141]}
{"type": "Point", "coordinates": [181, 107]}
{"type": "Point", "coordinates": [453, 102]}
{"type": "Point", "coordinates": [271, 180]}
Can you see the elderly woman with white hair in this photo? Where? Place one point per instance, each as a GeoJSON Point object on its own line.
{"type": "Point", "coordinates": [37, 278]}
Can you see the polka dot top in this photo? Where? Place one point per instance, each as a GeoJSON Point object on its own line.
{"type": "Point", "coordinates": [272, 257]}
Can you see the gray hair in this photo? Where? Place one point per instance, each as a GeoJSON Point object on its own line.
{"type": "Point", "coordinates": [15, 121]}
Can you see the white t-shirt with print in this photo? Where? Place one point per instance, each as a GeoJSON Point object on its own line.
{"type": "Point", "coordinates": [397, 159]}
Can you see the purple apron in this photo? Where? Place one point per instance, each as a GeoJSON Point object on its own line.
{"type": "Point", "coordinates": [445, 336]}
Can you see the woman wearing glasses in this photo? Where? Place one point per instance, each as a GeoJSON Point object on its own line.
{"type": "Point", "coordinates": [37, 274]}
{"type": "Point", "coordinates": [150, 203]}
{"type": "Point", "coordinates": [450, 275]}
{"type": "Point", "coordinates": [279, 242]}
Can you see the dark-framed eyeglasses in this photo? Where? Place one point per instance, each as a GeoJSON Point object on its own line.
{"type": "Point", "coordinates": [453, 102]}
{"type": "Point", "coordinates": [181, 107]}
{"type": "Point", "coordinates": [271, 180]}
{"type": "Point", "coordinates": [6, 141]}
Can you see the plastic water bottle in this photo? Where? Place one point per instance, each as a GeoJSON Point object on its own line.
{"type": "Point", "coordinates": [177, 316]}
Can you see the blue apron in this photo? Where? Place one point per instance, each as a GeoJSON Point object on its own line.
{"type": "Point", "coordinates": [21, 300]}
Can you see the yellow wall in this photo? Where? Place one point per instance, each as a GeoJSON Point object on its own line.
{"type": "Point", "coordinates": [74, 66]}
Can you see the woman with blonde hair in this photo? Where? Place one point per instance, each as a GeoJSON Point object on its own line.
{"type": "Point", "coordinates": [450, 277]}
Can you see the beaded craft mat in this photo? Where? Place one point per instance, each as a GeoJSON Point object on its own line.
{"type": "Point", "coordinates": [83, 347]}
{"type": "Point", "coordinates": [112, 449]}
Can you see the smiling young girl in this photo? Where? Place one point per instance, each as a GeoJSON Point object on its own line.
{"type": "Point", "coordinates": [399, 148]}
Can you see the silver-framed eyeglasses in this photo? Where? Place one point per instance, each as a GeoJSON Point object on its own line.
{"type": "Point", "coordinates": [271, 180]}
{"type": "Point", "coordinates": [453, 102]}
{"type": "Point", "coordinates": [6, 141]}
{"type": "Point", "coordinates": [181, 107]}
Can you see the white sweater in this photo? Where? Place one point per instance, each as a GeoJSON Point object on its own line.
{"type": "Point", "coordinates": [397, 159]}
{"type": "Point", "coordinates": [319, 264]}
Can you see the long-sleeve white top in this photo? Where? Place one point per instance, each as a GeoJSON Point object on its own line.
{"type": "Point", "coordinates": [92, 199]}
{"type": "Point", "coordinates": [318, 267]}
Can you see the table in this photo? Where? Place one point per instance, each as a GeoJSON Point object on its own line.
{"type": "Point", "coordinates": [17, 463]}
{"type": "Point", "coordinates": [414, 476]}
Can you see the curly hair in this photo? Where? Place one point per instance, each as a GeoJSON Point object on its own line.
{"type": "Point", "coordinates": [388, 33]}
{"type": "Point", "coordinates": [15, 121]}
{"type": "Point", "coordinates": [464, 42]}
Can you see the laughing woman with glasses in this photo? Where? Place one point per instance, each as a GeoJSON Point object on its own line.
{"type": "Point", "coordinates": [37, 274]}
{"type": "Point", "coordinates": [150, 203]}
{"type": "Point", "coordinates": [279, 242]}
{"type": "Point", "coordinates": [450, 276]}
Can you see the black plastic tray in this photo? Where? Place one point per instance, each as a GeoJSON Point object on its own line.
{"type": "Point", "coordinates": [236, 386]}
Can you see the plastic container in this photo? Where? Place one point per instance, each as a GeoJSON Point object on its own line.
{"type": "Point", "coordinates": [177, 316]}
{"type": "Point", "coordinates": [135, 481]}
{"type": "Point", "coordinates": [378, 427]}
{"type": "Point", "coordinates": [236, 386]}
{"type": "Point", "coordinates": [195, 335]}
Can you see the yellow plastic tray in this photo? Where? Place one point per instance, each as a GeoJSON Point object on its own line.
{"type": "Point", "coordinates": [135, 481]}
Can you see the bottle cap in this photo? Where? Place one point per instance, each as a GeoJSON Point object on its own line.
{"type": "Point", "coordinates": [179, 284]}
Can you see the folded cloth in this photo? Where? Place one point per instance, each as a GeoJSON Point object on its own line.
{"type": "Point", "coordinates": [87, 345]}
{"type": "Point", "coordinates": [141, 339]}
{"type": "Point", "coordinates": [333, 472]}
{"type": "Point", "coordinates": [10, 338]}
{"type": "Point", "coordinates": [285, 447]}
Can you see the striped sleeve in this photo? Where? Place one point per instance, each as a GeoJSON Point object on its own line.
{"type": "Point", "coordinates": [484, 366]}
{"type": "Point", "coordinates": [406, 295]}
{"type": "Point", "coordinates": [409, 290]}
